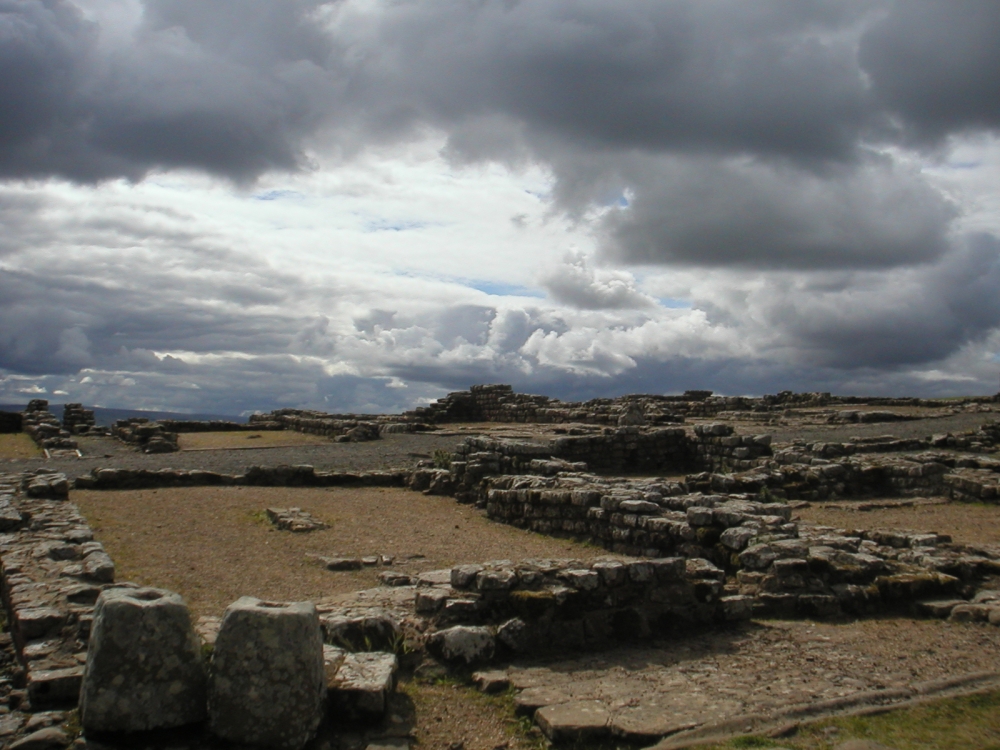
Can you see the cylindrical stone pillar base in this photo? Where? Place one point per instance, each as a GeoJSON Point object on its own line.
{"type": "Point", "coordinates": [267, 685]}
{"type": "Point", "coordinates": [144, 664]}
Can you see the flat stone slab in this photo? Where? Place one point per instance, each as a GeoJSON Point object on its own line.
{"type": "Point", "coordinates": [528, 701]}
{"type": "Point", "coordinates": [361, 687]}
{"type": "Point", "coordinates": [579, 720]}
{"type": "Point", "coordinates": [491, 681]}
{"type": "Point", "coordinates": [648, 723]}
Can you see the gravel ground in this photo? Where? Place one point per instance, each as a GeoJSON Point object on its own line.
{"type": "Point", "coordinates": [392, 452]}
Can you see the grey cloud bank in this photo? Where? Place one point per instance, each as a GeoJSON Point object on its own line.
{"type": "Point", "coordinates": [765, 163]}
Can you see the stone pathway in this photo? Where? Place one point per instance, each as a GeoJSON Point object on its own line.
{"type": "Point", "coordinates": [775, 671]}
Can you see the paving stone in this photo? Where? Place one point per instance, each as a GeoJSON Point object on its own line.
{"type": "Point", "coordinates": [43, 739]}
{"type": "Point", "coordinates": [491, 681]}
{"type": "Point", "coordinates": [575, 721]}
{"type": "Point", "coordinates": [648, 723]}
{"type": "Point", "coordinates": [361, 687]}
{"type": "Point", "coordinates": [529, 700]}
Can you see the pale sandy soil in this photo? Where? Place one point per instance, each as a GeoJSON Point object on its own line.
{"type": "Point", "coordinates": [212, 545]}
{"type": "Point", "coordinates": [966, 523]}
{"type": "Point", "coordinates": [236, 440]}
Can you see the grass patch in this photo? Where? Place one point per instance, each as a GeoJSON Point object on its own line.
{"type": "Point", "coordinates": [19, 445]}
{"type": "Point", "coordinates": [970, 722]}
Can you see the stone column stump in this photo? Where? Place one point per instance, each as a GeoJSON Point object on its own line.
{"type": "Point", "coordinates": [145, 668]}
{"type": "Point", "coordinates": [267, 684]}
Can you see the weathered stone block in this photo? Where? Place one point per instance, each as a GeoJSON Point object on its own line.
{"type": "Point", "coordinates": [268, 683]}
{"type": "Point", "coordinates": [463, 643]}
{"type": "Point", "coordinates": [574, 721]}
{"type": "Point", "coordinates": [362, 685]}
{"type": "Point", "coordinates": [144, 664]}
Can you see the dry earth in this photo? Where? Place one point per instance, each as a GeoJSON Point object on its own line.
{"type": "Point", "coordinates": [966, 522]}
{"type": "Point", "coordinates": [213, 545]}
{"type": "Point", "coordinates": [201, 441]}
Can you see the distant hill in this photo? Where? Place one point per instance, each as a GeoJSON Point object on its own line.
{"type": "Point", "coordinates": [107, 416]}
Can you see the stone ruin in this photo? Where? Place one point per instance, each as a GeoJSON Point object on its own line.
{"type": "Point", "coordinates": [44, 428]}
{"type": "Point", "coordinates": [77, 420]}
{"type": "Point", "coordinates": [713, 544]}
{"type": "Point", "coordinates": [149, 437]}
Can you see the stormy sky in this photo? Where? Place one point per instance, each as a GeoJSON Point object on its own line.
{"type": "Point", "coordinates": [363, 204]}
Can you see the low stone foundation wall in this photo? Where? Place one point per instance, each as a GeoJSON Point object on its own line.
{"type": "Point", "coordinates": [499, 403]}
{"type": "Point", "coordinates": [259, 476]}
{"type": "Point", "coordinates": [505, 608]}
{"type": "Point", "coordinates": [342, 428]}
{"type": "Point", "coordinates": [218, 425]}
{"type": "Point", "coordinates": [150, 437]}
{"type": "Point", "coordinates": [51, 573]}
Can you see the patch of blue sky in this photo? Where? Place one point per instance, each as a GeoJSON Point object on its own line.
{"type": "Point", "coordinates": [499, 289]}
{"type": "Point", "coordinates": [274, 195]}
{"type": "Point", "coordinates": [393, 225]}
{"type": "Point", "coordinates": [544, 197]}
{"type": "Point", "coordinates": [675, 302]}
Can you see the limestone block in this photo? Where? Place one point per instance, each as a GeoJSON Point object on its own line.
{"type": "Point", "coordinates": [361, 687]}
{"type": "Point", "coordinates": [267, 685]}
{"type": "Point", "coordinates": [144, 664]}
{"type": "Point", "coordinates": [574, 721]}
{"type": "Point", "coordinates": [99, 567]}
{"type": "Point", "coordinates": [464, 643]}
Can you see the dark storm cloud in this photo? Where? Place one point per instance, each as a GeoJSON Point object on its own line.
{"type": "Point", "coordinates": [229, 92]}
{"type": "Point", "coordinates": [937, 64]}
{"type": "Point", "coordinates": [743, 133]}
{"type": "Point", "coordinates": [898, 319]}
{"type": "Point", "coordinates": [710, 212]}
{"type": "Point", "coordinates": [237, 89]}
{"type": "Point", "coordinates": [771, 77]}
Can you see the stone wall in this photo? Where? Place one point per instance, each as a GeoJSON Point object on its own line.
{"type": "Point", "coordinates": [506, 608]}
{"type": "Point", "coordinates": [149, 437]}
{"type": "Point", "coordinates": [255, 476]}
{"type": "Point", "coordinates": [499, 403]}
{"type": "Point", "coordinates": [77, 420]}
{"type": "Point", "coordinates": [787, 568]}
{"type": "Point", "coordinates": [51, 573]}
{"type": "Point", "coordinates": [44, 428]}
{"type": "Point", "coordinates": [622, 450]}
{"type": "Point", "coordinates": [339, 427]}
